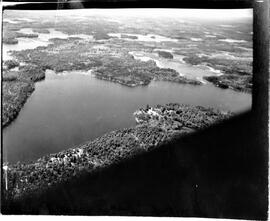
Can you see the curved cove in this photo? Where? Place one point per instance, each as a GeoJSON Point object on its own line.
{"type": "Point", "coordinates": [74, 107]}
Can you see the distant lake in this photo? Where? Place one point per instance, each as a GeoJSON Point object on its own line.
{"type": "Point", "coordinates": [74, 107]}
{"type": "Point", "coordinates": [42, 40]}
{"type": "Point", "coordinates": [177, 63]}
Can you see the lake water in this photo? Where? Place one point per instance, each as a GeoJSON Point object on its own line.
{"type": "Point", "coordinates": [146, 38]}
{"type": "Point", "coordinates": [70, 108]}
{"type": "Point", "coordinates": [177, 63]}
{"type": "Point", "coordinates": [42, 40]}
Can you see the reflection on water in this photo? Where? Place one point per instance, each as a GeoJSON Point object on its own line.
{"type": "Point", "coordinates": [74, 107]}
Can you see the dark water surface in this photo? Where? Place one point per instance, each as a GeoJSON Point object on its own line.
{"type": "Point", "coordinates": [71, 108]}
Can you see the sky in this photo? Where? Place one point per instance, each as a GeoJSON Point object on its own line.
{"type": "Point", "coordinates": [219, 14]}
{"type": "Point", "coordinates": [195, 14]}
{"type": "Point", "coordinates": [185, 13]}
{"type": "Point", "coordinates": [208, 15]}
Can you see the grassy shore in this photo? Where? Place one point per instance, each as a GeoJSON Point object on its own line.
{"type": "Point", "coordinates": [155, 126]}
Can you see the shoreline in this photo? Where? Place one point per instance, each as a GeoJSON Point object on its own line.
{"type": "Point", "coordinates": [12, 114]}
{"type": "Point", "coordinates": [31, 73]}
{"type": "Point", "coordinates": [156, 126]}
{"type": "Point", "coordinates": [17, 88]}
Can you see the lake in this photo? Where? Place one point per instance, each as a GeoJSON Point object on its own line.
{"type": "Point", "coordinates": [42, 40]}
{"type": "Point", "coordinates": [70, 108]}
